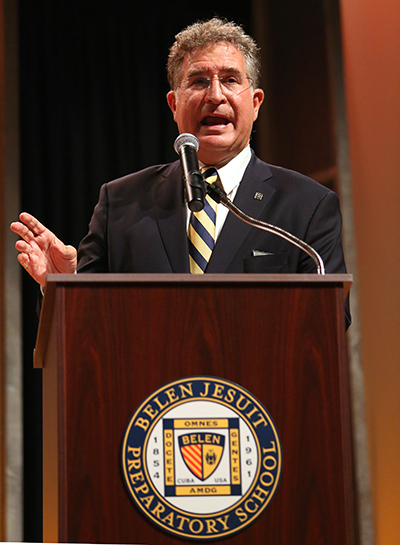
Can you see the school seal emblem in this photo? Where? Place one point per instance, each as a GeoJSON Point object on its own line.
{"type": "Point", "coordinates": [201, 457]}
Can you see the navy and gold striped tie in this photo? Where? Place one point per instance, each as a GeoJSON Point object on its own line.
{"type": "Point", "coordinates": [202, 229]}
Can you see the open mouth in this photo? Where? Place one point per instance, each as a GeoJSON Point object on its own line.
{"type": "Point", "coordinates": [212, 120]}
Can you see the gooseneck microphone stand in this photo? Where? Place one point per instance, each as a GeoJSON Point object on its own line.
{"type": "Point", "coordinates": [220, 196]}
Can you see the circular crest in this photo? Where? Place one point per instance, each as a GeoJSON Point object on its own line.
{"type": "Point", "coordinates": [201, 458]}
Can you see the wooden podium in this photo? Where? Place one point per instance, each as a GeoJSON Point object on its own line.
{"type": "Point", "coordinates": [106, 342]}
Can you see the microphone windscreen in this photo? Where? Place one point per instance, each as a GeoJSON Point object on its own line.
{"type": "Point", "coordinates": [186, 139]}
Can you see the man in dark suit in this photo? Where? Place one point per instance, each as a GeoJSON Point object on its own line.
{"type": "Point", "coordinates": [141, 221]}
{"type": "Point", "coordinates": [139, 225]}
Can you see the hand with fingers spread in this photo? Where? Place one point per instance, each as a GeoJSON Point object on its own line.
{"type": "Point", "coordinates": [41, 252]}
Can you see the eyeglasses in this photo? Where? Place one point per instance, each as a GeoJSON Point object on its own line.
{"type": "Point", "coordinates": [230, 85]}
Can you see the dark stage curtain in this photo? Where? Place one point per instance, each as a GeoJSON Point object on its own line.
{"type": "Point", "coordinates": [92, 87]}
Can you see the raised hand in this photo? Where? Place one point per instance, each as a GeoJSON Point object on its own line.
{"type": "Point", "coordinates": [41, 252]}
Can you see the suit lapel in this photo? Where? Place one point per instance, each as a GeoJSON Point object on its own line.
{"type": "Point", "coordinates": [170, 214]}
{"type": "Point", "coordinates": [253, 195]}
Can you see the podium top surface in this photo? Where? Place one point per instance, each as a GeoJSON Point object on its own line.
{"type": "Point", "coordinates": [345, 279]}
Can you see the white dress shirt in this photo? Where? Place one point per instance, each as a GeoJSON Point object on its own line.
{"type": "Point", "coordinates": [230, 176]}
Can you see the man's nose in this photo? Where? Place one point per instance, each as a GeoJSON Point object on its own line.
{"type": "Point", "coordinates": [214, 92]}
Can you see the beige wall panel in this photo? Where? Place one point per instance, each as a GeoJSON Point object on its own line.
{"type": "Point", "coordinates": [371, 37]}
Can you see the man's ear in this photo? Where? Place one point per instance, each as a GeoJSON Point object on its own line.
{"type": "Point", "coordinates": [171, 99]}
{"type": "Point", "coordinates": [258, 99]}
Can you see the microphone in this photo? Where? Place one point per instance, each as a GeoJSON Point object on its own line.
{"type": "Point", "coordinates": [186, 146]}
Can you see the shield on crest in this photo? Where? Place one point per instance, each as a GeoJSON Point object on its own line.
{"type": "Point", "coordinates": [202, 452]}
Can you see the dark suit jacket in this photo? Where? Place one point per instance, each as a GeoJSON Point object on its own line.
{"type": "Point", "coordinates": [139, 225]}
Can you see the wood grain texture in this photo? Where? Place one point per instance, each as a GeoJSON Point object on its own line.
{"type": "Point", "coordinates": [118, 342]}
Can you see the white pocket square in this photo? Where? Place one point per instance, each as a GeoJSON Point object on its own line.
{"type": "Point", "coordinates": [258, 253]}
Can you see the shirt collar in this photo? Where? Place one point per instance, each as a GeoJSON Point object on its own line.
{"type": "Point", "coordinates": [232, 173]}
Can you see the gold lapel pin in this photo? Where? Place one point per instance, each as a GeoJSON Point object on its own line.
{"type": "Point", "coordinates": [258, 196]}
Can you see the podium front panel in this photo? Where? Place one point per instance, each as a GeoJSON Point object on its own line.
{"type": "Point", "coordinates": [110, 341]}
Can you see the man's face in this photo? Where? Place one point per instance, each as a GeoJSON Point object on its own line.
{"type": "Point", "coordinates": [215, 102]}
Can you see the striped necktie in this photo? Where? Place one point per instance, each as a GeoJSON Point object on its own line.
{"type": "Point", "coordinates": [202, 229]}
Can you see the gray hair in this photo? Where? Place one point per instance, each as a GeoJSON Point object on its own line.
{"type": "Point", "coordinates": [205, 33]}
